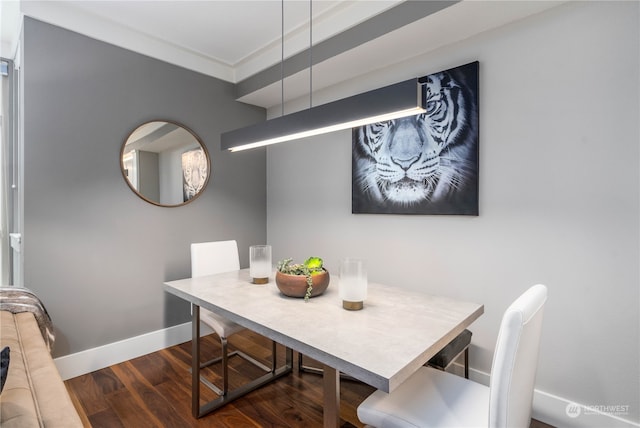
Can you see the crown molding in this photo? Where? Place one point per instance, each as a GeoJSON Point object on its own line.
{"type": "Point", "coordinates": [75, 19]}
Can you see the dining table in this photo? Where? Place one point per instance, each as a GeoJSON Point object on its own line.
{"type": "Point", "coordinates": [398, 331]}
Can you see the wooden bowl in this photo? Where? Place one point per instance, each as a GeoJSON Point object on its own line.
{"type": "Point", "coordinates": [296, 285]}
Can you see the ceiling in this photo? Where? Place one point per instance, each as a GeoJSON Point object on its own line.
{"type": "Point", "coordinates": [240, 40]}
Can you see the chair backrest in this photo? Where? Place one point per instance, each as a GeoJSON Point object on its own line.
{"type": "Point", "coordinates": [515, 360]}
{"type": "Point", "coordinates": [208, 258]}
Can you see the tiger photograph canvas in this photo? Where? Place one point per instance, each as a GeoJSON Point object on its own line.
{"type": "Point", "coordinates": [427, 163]}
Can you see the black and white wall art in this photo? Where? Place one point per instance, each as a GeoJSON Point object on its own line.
{"type": "Point", "coordinates": [427, 163]}
{"type": "Point", "coordinates": [194, 173]}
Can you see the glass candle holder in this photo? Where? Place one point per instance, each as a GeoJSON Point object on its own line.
{"type": "Point", "coordinates": [353, 283]}
{"type": "Point", "coordinates": [260, 263]}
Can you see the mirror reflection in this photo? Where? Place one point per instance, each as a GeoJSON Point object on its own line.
{"type": "Point", "coordinates": [165, 163]}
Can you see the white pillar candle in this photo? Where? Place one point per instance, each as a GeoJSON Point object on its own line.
{"type": "Point", "coordinates": [353, 283]}
{"type": "Point", "coordinates": [260, 263]}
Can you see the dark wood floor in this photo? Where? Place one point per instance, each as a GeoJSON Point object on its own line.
{"type": "Point", "coordinates": [155, 391]}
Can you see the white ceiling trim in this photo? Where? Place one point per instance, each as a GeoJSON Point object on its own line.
{"type": "Point", "coordinates": [326, 24]}
{"type": "Point", "coordinates": [329, 20]}
{"type": "Point", "coordinates": [96, 27]}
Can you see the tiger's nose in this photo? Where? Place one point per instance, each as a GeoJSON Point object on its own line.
{"type": "Point", "coordinates": [405, 163]}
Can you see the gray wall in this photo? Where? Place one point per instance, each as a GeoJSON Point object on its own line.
{"type": "Point", "coordinates": [93, 251]}
{"type": "Point", "coordinates": [559, 198]}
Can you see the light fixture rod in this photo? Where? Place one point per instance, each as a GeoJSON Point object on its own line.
{"type": "Point", "coordinates": [390, 102]}
{"type": "Point", "coordinates": [310, 54]}
{"type": "Point", "coordinates": [282, 59]}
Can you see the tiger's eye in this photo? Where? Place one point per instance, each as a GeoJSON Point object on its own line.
{"type": "Point", "coordinates": [433, 106]}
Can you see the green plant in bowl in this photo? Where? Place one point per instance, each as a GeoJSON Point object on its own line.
{"type": "Point", "coordinates": [311, 267]}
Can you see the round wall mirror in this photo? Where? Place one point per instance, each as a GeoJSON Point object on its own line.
{"type": "Point", "coordinates": [165, 163]}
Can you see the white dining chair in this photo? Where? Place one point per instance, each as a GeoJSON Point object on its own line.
{"type": "Point", "coordinates": [208, 258]}
{"type": "Point", "coordinates": [433, 398]}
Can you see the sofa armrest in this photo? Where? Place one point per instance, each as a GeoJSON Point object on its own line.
{"type": "Point", "coordinates": [20, 299]}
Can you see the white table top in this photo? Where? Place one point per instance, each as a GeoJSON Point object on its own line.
{"type": "Point", "coordinates": [397, 331]}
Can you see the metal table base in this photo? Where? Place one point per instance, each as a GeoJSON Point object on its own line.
{"type": "Point", "coordinates": [197, 410]}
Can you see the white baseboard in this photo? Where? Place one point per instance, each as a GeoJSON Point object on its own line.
{"type": "Point", "coordinates": [561, 412]}
{"type": "Point", "coordinates": [98, 358]}
{"type": "Point", "coordinates": [547, 408]}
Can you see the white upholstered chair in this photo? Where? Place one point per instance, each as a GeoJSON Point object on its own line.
{"type": "Point", "coordinates": [208, 258]}
{"type": "Point", "coordinates": [433, 398]}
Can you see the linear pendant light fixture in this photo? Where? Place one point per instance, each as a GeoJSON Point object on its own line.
{"type": "Point", "coordinates": [390, 102]}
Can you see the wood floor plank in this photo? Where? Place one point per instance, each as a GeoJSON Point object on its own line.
{"type": "Point", "coordinates": [107, 381]}
{"type": "Point", "coordinates": [89, 394]}
{"type": "Point", "coordinates": [153, 368]}
{"type": "Point", "coordinates": [292, 407]}
{"type": "Point", "coordinates": [106, 419]}
{"type": "Point", "coordinates": [129, 410]}
{"type": "Point", "coordinates": [147, 398]}
{"type": "Point", "coordinates": [73, 393]}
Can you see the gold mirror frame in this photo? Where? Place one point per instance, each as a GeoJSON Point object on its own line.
{"type": "Point", "coordinates": [159, 153]}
